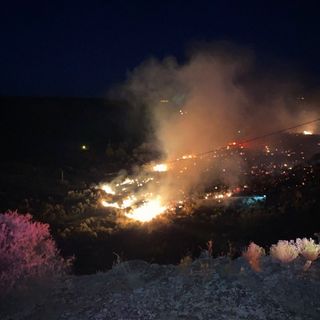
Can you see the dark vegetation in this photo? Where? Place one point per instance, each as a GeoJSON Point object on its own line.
{"type": "Point", "coordinates": [45, 171]}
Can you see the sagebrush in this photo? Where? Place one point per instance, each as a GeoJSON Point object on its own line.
{"type": "Point", "coordinates": [27, 251]}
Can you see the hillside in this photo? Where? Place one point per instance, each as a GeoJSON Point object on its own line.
{"type": "Point", "coordinates": [52, 129]}
{"type": "Point", "coordinates": [206, 289]}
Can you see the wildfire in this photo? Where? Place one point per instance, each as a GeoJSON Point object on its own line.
{"type": "Point", "coordinates": [218, 196]}
{"type": "Point", "coordinates": [148, 210]}
{"type": "Point", "coordinates": [126, 203]}
{"type": "Point", "coordinates": [223, 195]}
{"type": "Point", "coordinates": [129, 201]}
{"type": "Point", "coordinates": [110, 204]}
{"type": "Point", "coordinates": [127, 181]}
{"type": "Point", "coordinates": [307, 132]}
{"type": "Point", "coordinates": [138, 206]}
{"type": "Point", "coordinates": [161, 167]}
{"type": "Point", "coordinates": [188, 156]}
{"type": "Point", "coordinates": [108, 189]}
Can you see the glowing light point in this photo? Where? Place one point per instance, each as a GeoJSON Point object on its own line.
{"type": "Point", "coordinates": [84, 147]}
{"type": "Point", "coordinates": [306, 132]}
{"type": "Point", "coordinates": [161, 167]}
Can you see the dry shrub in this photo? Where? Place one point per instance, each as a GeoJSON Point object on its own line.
{"type": "Point", "coordinates": [284, 251]}
{"type": "Point", "coordinates": [309, 250]}
{"type": "Point", "coordinates": [27, 251]}
{"type": "Point", "coordinates": [253, 255]}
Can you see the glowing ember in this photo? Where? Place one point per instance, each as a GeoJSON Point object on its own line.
{"type": "Point", "coordinates": [188, 156]}
{"type": "Point", "coordinates": [110, 204]}
{"type": "Point", "coordinates": [161, 167]}
{"type": "Point", "coordinates": [223, 195]}
{"type": "Point", "coordinates": [128, 202]}
{"type": "Point", "coordinates": [147, 211]}
{"type": "Point", "coordinates": [306, 132]}
{"type": "Point", "coordinates": [108, 189]}
{"type": "Point", "coordinates": [127, 181]}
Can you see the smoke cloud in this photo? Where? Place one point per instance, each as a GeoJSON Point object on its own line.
{"type": "Point", "coordinates": [215, 97]}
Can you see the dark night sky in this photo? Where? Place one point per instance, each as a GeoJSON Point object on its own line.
{"type": "Point", "coordinates": [80, 48]}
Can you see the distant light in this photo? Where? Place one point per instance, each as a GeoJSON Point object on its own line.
{"type": "Point", "coordinates": [307, 132]}
{"type": "Point", "coordinates": [250, 200]}
{"type": "Point", "coordinates": [84, 147]}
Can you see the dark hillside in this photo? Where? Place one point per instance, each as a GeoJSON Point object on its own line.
{"type": "Point", "coordinates": [50, 128]}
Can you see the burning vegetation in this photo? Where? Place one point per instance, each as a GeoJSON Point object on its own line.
{"type": "Point", "coordinates": [222, 155]}
{"type": "Point", "coordinates": [195, 110]}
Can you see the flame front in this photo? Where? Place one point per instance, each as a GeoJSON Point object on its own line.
{"type": "Point", "coordinates": [108, 189]}
{"type": "Point", "coordinates": [141, 206]}
{"type": "Point", "coordinates": [110, 204]}
{"type": "Point", "coordinates": [148, 210]}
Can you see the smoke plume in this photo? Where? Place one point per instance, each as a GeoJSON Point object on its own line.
{"type": "Point", "coordinates": [215, 97]}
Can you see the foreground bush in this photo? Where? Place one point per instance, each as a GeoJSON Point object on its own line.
{"type": "Point", "coordinates": [309, 250]}
{"type": "Point", "coordinates": [284, 251]}
{"type": "Point", "coordinates": [253, 255]}
{"type": "Point", "coordinates": [27, 251]}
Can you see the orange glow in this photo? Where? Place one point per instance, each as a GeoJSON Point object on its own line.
{"type": "Point", "coordinates": [223, 195]}
{"type": "Point", "coordinates": [147, 211]}
{"type": "Point", "coordinates": [110, 204]}
{"type": "Point", "coordinates": [108, 189]}
{"type": "Point", "coordinates": [128, 202]}
{"type": "Point", "coordinates": [188, 156]}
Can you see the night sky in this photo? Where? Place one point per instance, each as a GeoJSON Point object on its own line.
{"type": "Point", "coordinates": [81, 48]}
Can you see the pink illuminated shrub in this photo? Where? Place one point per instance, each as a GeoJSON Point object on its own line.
{"type": "Point", "coordinates": [27, 251]}
{"type": "Point", "coordinates": [253, 255]}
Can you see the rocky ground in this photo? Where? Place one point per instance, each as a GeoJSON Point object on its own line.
{"type": "Point", "coordinates": [204, 289]}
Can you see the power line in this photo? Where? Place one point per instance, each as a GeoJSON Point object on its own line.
{"type": "Point", "coordinates": [201, 154]}
{"type": "Point", "coordinates": [258, 137]}
{"type": "Point", "coordinates": [280, 131]}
